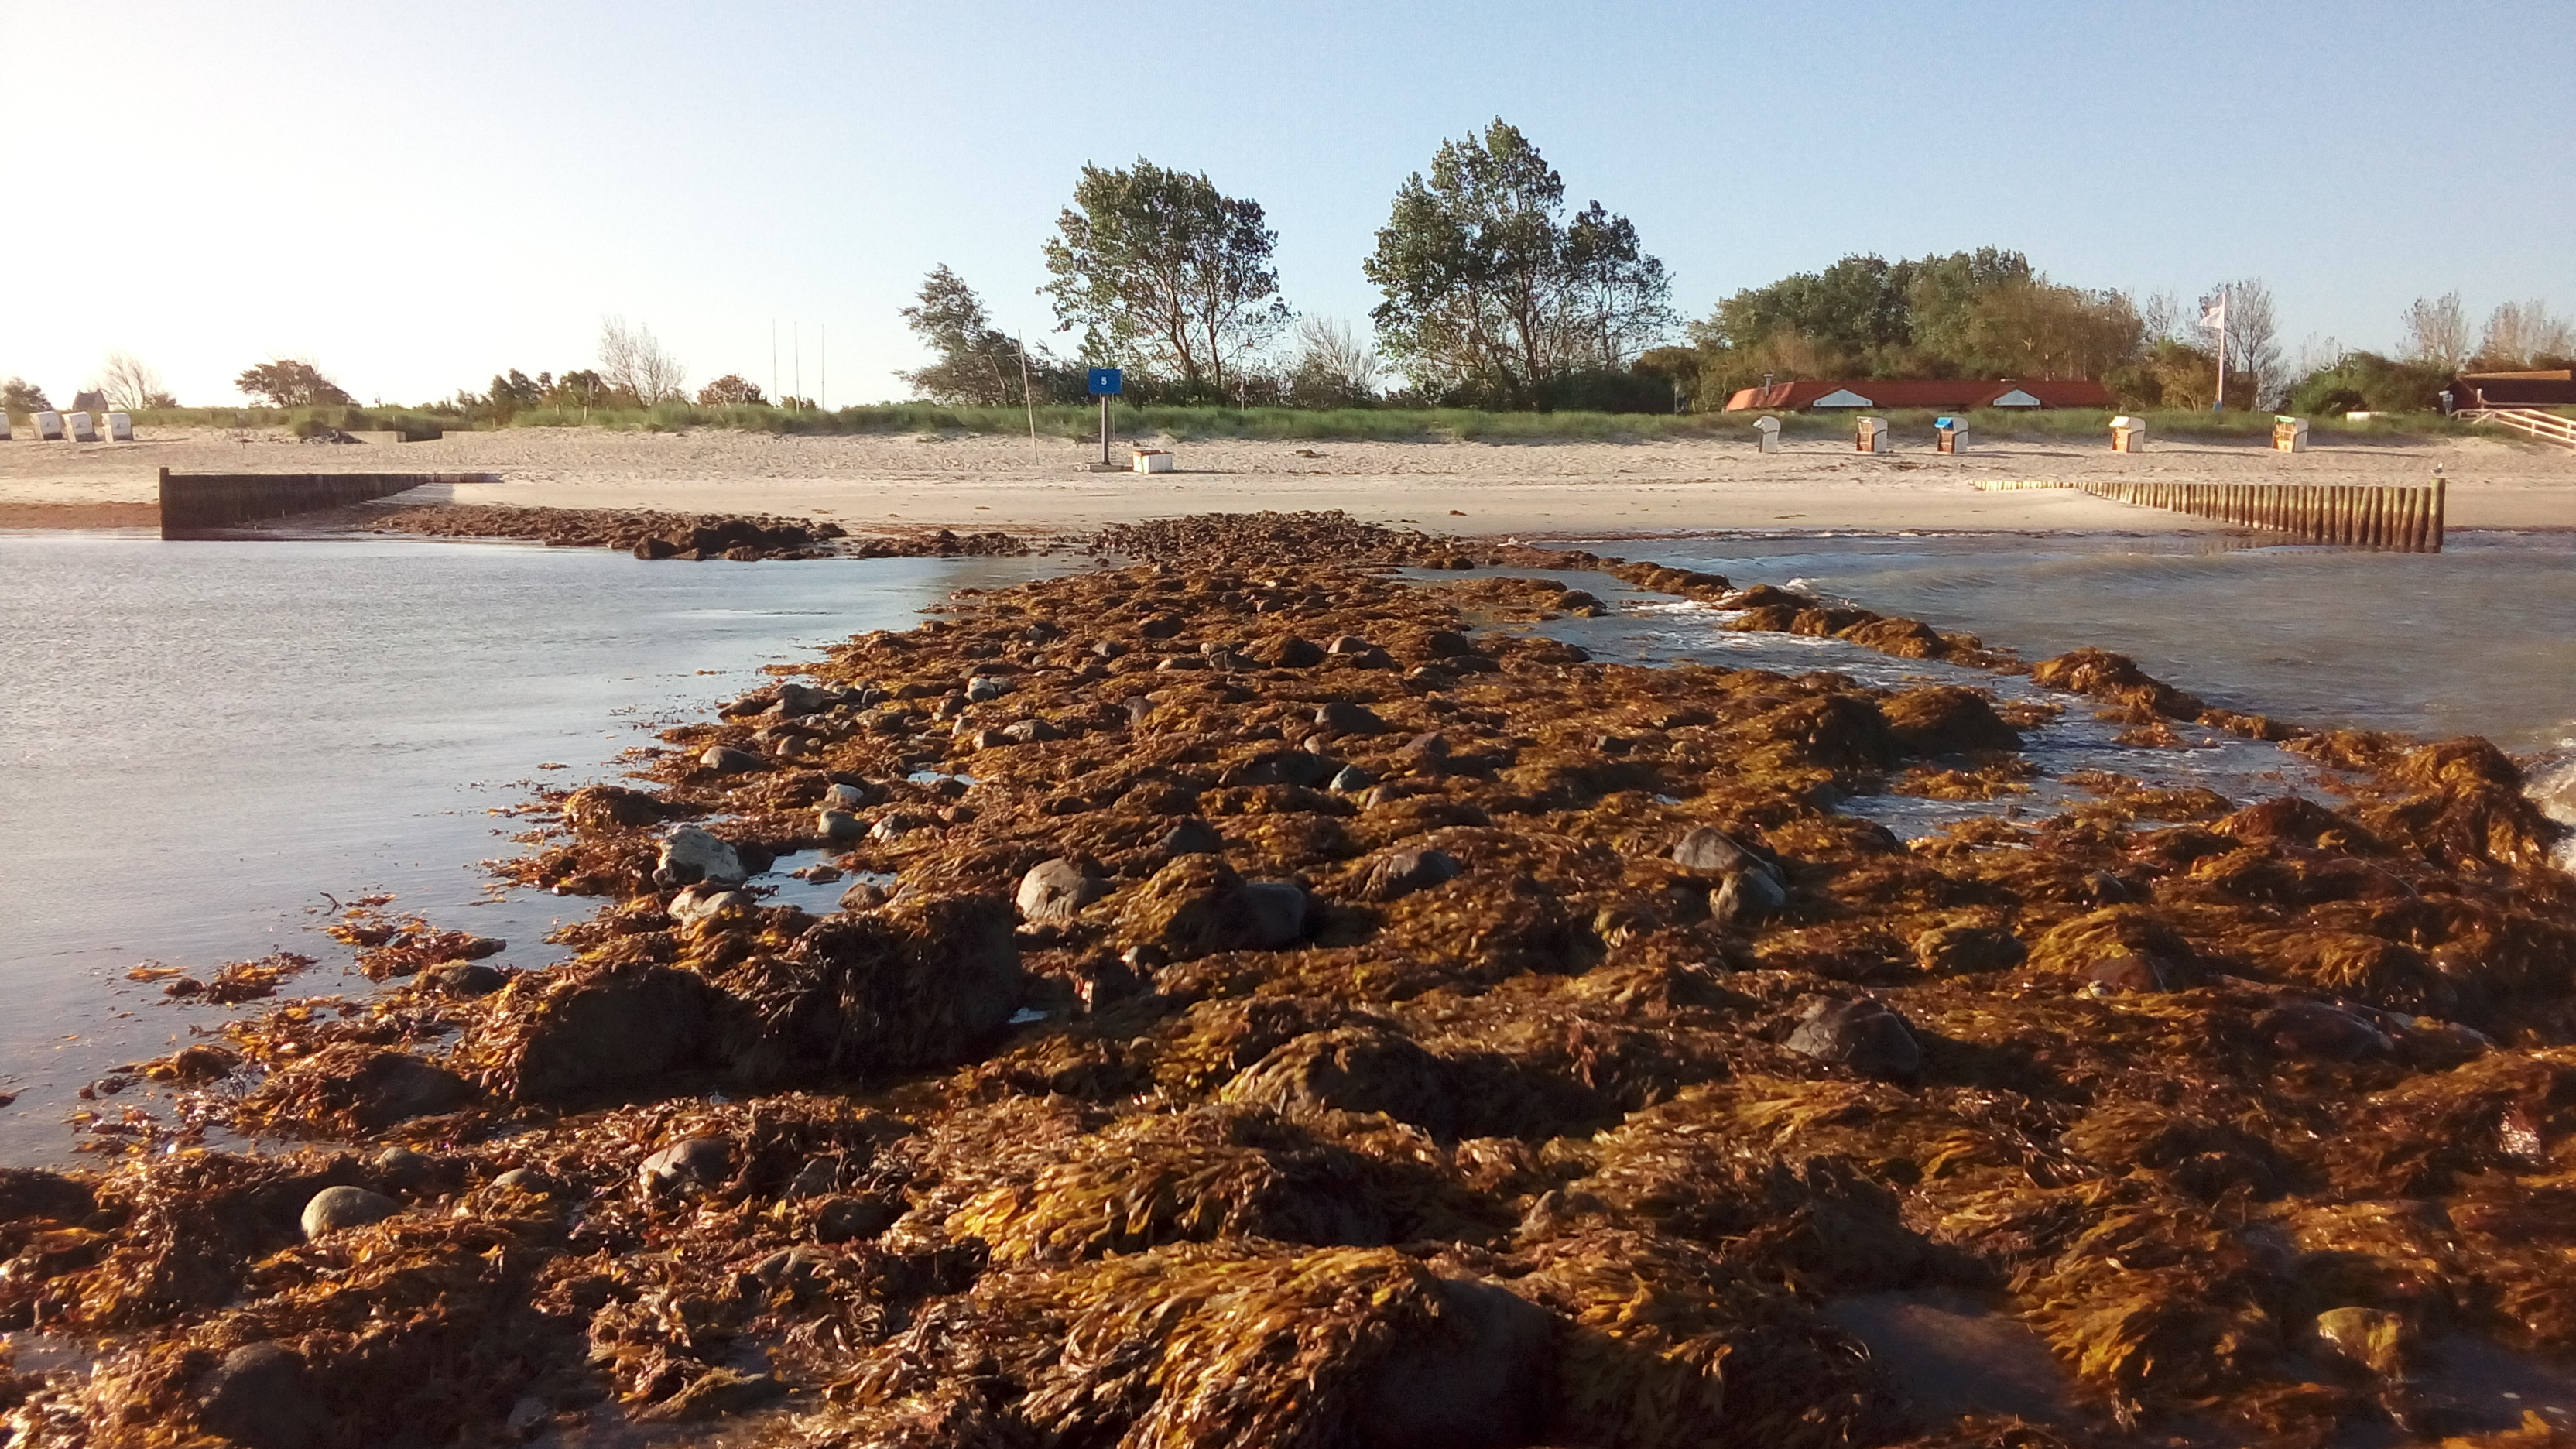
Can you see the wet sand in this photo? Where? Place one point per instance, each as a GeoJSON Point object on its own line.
{"type": "Point", "coordinates": [1551, 490]}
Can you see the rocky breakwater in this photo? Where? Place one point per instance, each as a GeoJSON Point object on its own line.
{"type": "Point", "coordinates": [1313, 1009]}
{"type": "Point", "coordinates": [690, 537]}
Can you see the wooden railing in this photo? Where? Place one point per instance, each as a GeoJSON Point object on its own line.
{"type": "Point", "coordinates": [2397, 517]}
{"type": "Point", "coordinates": [2531, 422]}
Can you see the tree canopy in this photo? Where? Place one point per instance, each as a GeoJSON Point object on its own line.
{"type": "Point", "coordinates": [1492, 291]}
{"type": "Point", "coordinates": [289, 382]}
{"type": "Point", "coordinates": [973, 362]}
{"type": "Point", "coordinates": [1166, 274]}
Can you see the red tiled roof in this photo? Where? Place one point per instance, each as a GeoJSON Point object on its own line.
{"type": "Point", "coordinates": [1961, 394]}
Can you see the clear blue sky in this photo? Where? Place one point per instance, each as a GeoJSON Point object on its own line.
{"type": "Point", "coordinates": [418, 195]}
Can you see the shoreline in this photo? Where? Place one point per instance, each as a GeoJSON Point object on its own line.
{"type": "Point", "coordinates": [1561, 975]}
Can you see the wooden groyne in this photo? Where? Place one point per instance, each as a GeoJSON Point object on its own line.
{"type": "Point", "coordinates": [194, 503]}
{"type": "Point", "coordinates": [2400, 518]}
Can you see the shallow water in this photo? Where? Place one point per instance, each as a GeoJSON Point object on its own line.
{"type": "Point", "coordinates": [2477, 639]}
{"type": "Point", "coordinates": [197, 740]}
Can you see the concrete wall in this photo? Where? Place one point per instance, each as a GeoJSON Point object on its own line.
{"type": "Point", "coordinates": [193, 503]}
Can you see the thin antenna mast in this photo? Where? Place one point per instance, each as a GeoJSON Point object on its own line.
{"type": "Point", "coordinates": [823, 364]}
{"type": "Point", "coordinates": [773, 362]}
{"type": "Point", "coordinates": [796, 349]}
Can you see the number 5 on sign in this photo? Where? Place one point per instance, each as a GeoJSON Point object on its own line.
{"type": "Point", "coordinates": [1106, 382]}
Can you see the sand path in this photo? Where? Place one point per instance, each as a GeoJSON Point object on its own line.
{"type": "Point", "coordinates": [1534, 490]}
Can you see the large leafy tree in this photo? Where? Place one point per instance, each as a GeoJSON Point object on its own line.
{"type": "Point", "coordinates": [974, 363]}
{"type": "Point", "coordinates": [289, 382]}
{"type": "Point", "coordinates": [1491, 289]}
{"type": "Point", "coordinates": [1164, 271]}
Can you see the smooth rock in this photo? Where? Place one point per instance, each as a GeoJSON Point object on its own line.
{"type": "Point", "coordinates": [726, 760]}
{"type": "Point", "coordinates": [1350, 644]}
{"type": "Point", "coordinates": [2130, 971]}
{"type": "Point", "coordinates": [888, 829]}
{"type": "Point", "coordinates": [697, 903]}
{"type": "Point", "coordinates": [258, 1397]}
{"type": "Point", "coordinates": [1707, 850]}
{"type": "Point", "coordinates": [985, 687]}
{"type": "Point", "coordinates": [1137, 707]}
{"type": "Point", "coordinates": [691, 854]}
{"type": "Point", "coordinates": [799, 699]}
{"type": "Point", "coordinates": [462, 978]}
{"type": "Point", "coordinates": [1296, 654]}
{"type": "Point", "coordinates": [527, 1180]}
{"type": "Point", "coordinates": [1161, 626]}
{"type": "Point", "coordinates": [838, 796]}
{"type": "Point", "coordinates": [1746, 897]}
{"type": "Point", "coordinates": [1391, 875]}
{"type": "Point", "coordinates": [1109, 649]}
{"type": "Point", "coordinates": [1446, 644]}
{"type": "Point", "coordinates": [865, 895]}
{"type": "Point", "coordinates": [335, 1208]}
{"type": "Point", "coordinates": [1057, 890]}
{"type": "Point", "coordinates": [840, 827]}
{"type": "Point", "coordinates": [1191, 837]}
{"type": "Point", "coordinates": [1342, 717]}
{"type": "Point", "coordinates": [687, 1168]}
{"type": "Point", "coordinates": [1030, 731]}
{"type": "Point", "coordinates": [1276, 910]}
{"type": "Point", "coordinates": [1863, 1035]}
{"type": "Point", "coordinates": [1351, 778]}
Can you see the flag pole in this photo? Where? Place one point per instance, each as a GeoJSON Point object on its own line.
{"type": "Point", "coordinates": [2219, 404]}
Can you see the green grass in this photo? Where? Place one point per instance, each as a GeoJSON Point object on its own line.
{"type": "Point", "coordinates": [302, 421]}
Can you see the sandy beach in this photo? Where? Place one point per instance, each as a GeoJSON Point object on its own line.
{"type": "Point", "coordinates": [1575, 489]}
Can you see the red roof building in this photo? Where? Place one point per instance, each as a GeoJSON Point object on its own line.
{"type": "Point", "coordinates": [1948, 394]}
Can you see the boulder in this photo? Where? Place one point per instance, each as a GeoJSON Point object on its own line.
{"type": "Point", "coordinates": [1746, 897]}
{"type": "Point", "coordinates": [594, 809]}
{"type": "Point", "coordinates": [1296, 654]}
{"type": "Point", "coordinates": [686, 1168]}
{"type": "Point", "coordinates": [1863, 1035]}
{"type": "Point", "coordinates": [853, 1219]}
{"type": "Point", "coordinates": [1350, 644]}
{"type": "Point", "coordinates": [863, 895]}
{"type": "Point", "coordinates": [841, 795]}
{"type": "Point", "coordinates": [1947, 720]}
{"type": "Point", "coordinates": [1707, 850]}
{"type": "Point", "coordinates": [336, 1208]}
{"type": "Point", "coordinates": [1393, 874]}
{"type": "Point", "coordinates": [2132, 971]}
{"type": "Point", "coordinates": [726, 760]}
{"type": "Point", "coordinates": [366, 1087]}
{"type": "Point", "coordinates": [1342, 717]}
{"type": "Point", "coordinates": [691, 854]}
{"type": "Point", "coordinates": [985, 687]}
{"type": "Point", "coordinates": [462, 978]}
{"type": "Point", "coordinates": [923, 982]}
{"type": "Point", "coordinates": [259, 1398]}
{"type": "Point", "coordinates": [1478, 1379]}
{"type": "Point", "coordinates": [1057, 890]}
{"type": "Point", "coordinates": [1191, 837]}
{"type": "Point", "coordinates": [1446, 644]}
{"type": "Point", "coordinates": [799, 699]}
{"type": "Point", "coordinates": [595, 1027]}
{"type": "Point", "coordinates": [1945, 950]}
{"type": "Point", "coordinates": [1030, 732]}
{"type": "Point", "coordinates": [1350, 779]}
{"type": "Point", "coordinates": [838, 827]}
{"type": "Point", "coordinates": [1351, 1069]}
{"type": "Point", "coordinates": [1197, 905]}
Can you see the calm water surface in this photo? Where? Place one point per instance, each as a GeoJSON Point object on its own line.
{"type": "Point", "coordinates": [197, 740]}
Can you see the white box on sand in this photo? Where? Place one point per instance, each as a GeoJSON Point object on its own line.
{"type": "Point", "coordinates": [1153, 460]}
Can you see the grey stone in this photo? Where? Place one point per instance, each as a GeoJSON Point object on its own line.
{"type": "Point", "coordinates": [527, 1180]}
{"type": "Point", "coordinates": [1707, 850]}
{"type": "Point", "coordinates": [1345, 718]}
{"type": "Point", "coordinates": [888, 829]}
{"type": "Point", "coordinates": [1296, 654]}
{"type": "Point", "coordinates": [850, 1219]}
{"type": "Point", "coordinates": [1745, 897]}
{"type": "Point", "coordinates": [1393, 874]}
{"type": "Point", "coordinates": [1057, 890]}
{"type": "Point", "coordinates": [259, 1398]}
{"type": "Point", "coordinates": [335, 1208]}
{"type": "Point", "coordinates": [726, 760]}
{"type": "Point", "coordinates": [799, 699]}
{"type": "Point", "coordinates": [462, 978]}
{"type": "Point", "coordinates": [1350, 644]}
{"type": "Point", "coordinates": [691, 855]}
{"type": "Point", "coordinates": [838, 796]}
{"type": "Point", "coordinates": [1275, 911]}
{"type": "Point", "coordinates": [1192, 837]}
{"type": "Point", "coordinates": [1030, 731]}
{"type": "Point", "coordinates": [863, 896]}
{"type": "Point", "coordinates": [840, 827]}
{"type": "Point", "coordinates": [1863, 1035]}
{"type": "Point", "coordinates": [1446, 644]}
{"type": "Point", "coordinates": [687, 1168]}
{"type": "Point", "coordinates": [1109, 649]}
{"type": "Point", "coordinates": [986, 687]}
{"type": "Point", "coordinates": [1351, 778]}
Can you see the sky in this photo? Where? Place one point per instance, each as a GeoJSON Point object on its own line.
{"type": "Point", "coordinates": [420, 195]}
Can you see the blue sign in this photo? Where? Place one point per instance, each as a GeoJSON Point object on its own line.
{"type": "Point", "coordinates": [1105, 382]}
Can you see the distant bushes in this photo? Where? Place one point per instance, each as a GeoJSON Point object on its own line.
{"type": "Point", "coordinates": [2368, 382]}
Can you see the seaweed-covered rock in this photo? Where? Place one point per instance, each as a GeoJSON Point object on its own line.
{"type": "Point", "coordinates": [1947, 949]}
{"type": "Point", "coordinates": [1353, 1069]}
{"type": "Point", "coordinates": [580, 1029]}
{"type": "Point", "coordinates": [1946, 720]}
{"type": "Point", "coordinates": [1197, 905]}
{"type": "Point", "coordinates": [686, 1168]}
{"type": "Point", "coordinates": [260, 1398]}
{"type": "Point", "coordinates": [355, 1087]}
{"type": "Point", "coordinates": [1863, 1035]}
{"type": "Point", "coordinates": [1707, 850]}
{"type": "Point", "coordinates": [1392, 874]}
{"type": "Point", "coordinates": [1747, 897]}
{"type": "Point", "coordinates": [598, 808]}
{"type": "Point", "coordinates": [918, 984]}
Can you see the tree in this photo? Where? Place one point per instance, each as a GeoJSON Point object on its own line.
{"type": "Point", "coordinates": [131, 386]}
{"type": "Point", "coordinates": [2253, 337]}
{"type": "Point", "coordinates": [729, 390]}
{"type": "Point", "coordinates": [1491, 290]}
{"type": "Point", "coordinates": [18, 395]}
{"type": "Point", "coordinates": [976, 364]}
{"type": "Point", "coordinates": [2032, 328]}
{"type": "Point", "coordinates": [2524, 335]}
{"type": "Point", "coordinates": [1169, 270]}
{"type": "Point", "coordinates": [290, 382]}
{"type": "Point", "coordinates": [633, 362]}
{"type": "Point", "coordinates": [2437, 331]}
{"type": "Point", "coordinates": [1335, 366]}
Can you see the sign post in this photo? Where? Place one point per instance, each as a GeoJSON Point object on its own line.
{"type": "Point", "coordinates": [1106, 383]}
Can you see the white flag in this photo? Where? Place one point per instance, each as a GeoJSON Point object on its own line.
{"type": "Point", "coordinates": [2214, 316]}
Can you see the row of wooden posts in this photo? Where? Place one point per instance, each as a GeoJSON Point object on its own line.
{"type": "Point", "coordinates": [2399, 517]}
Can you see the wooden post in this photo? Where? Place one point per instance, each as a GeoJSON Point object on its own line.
{"type": "Point", "coordinates": [2441, 507]}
